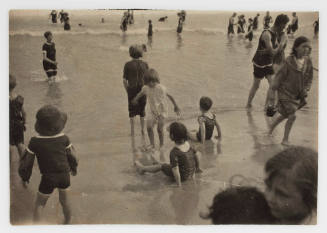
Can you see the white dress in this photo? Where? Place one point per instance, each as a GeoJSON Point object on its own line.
{"type": "Point", "coordinates": [156, 103]}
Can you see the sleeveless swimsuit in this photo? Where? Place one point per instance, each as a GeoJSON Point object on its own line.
{"type": "Point", "coordinates": [209, 127]}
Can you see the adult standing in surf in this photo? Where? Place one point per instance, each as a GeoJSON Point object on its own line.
{"type": "Point", "coordinates": [292, 28]}
{"type": "Point", "coordinates": [53, 16]}
{"type": "Point", "coordinates": [231, 23]}
{"type": "Point", "coordinates": [256, 22]}
{"type": "Point", "coordinates": [267, 20]}
{"type": "Point", "coordinates": [124, 22]}
{"type": "Point", "coordinates": [268, 47]}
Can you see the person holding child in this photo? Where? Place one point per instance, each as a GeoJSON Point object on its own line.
{"type": "Point", "coordinates": [292, 82]}
{"type": "Point", "coordinates": [207, 122]}
{"type": "Point", "coordinates": [56, 160]}
{"type": "Point", "coordinates": [157, 104]}
{"type": "Point", "coordinates": [184, 160]}
{"type": "Point", "coordinates": [17, 118]}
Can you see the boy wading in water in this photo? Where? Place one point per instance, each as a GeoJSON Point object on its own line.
{"type": "Point", "coordinates": [292, 82]}
{"type": "Point", "coordinates": [49, 57]}
{"type": "Point", "coordinates": [184, 160]}
{"type": "Point", "coordinates": [263, 59]}
{"type": "Point", "coordinates": [56, 160]}
{"type": "Point", "coordinates": [133, 80]}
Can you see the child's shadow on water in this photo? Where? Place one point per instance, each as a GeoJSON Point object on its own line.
{"type": "Point", "coordinates": [179, 41]}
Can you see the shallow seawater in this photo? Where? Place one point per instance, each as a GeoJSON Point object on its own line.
{"type": "Point", "coordinates": [202, 61]}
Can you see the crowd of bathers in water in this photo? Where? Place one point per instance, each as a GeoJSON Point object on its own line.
{"type": "Point", "coordinates": [291, 175]}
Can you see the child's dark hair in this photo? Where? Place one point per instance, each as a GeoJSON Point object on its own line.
{"type": "Point", "coordinates": [12, 82]}
{"type": "Point", "coordinates": [46, 34]}
{"type": "Point", "coordinates": [150, 21]}
{"type": "Point", "coordinates": [281, 19]}
{"type": "Point", "coordinates": [178, 132]}
{"type": "Point", "coordinates": [135, 51]}
{"type": "Point", "coordinates": [205, 103]}
{"type": "Point", "coordinates": [151, 75]}
{"type": "Point", "coordinates": [303, 162]}
{"type": "Point", "coordinates": [298, 41]}
{"type": "Point", "coordinates": [240, 205]}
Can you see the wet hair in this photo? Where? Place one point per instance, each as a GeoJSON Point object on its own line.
{"type": "Point", "coordinates": [46, 34]}
{"type": "Point", "coordinates": [298, 41]}
{"type": "Point", "coordinates": [178, 132]}
{"type": "Point", "coordinates": [240, 205]}
{"type": "Point", "coordinates": [135, 51]}
{"type": "Point", "coordinates": [281, 19]}
{"type": "Point", "coordinates": [12, 82]}
{"type": "Point", "coordinates": [303, 162]}
{"type": "Point", "coordinates": [151, 75]}
{"type": "Point", "coordinates": [205, 103]}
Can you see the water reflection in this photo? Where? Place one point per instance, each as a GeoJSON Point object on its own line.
{"type": "Point", "coordinates": [179, 41]}
{"type": "Point", "coordinates": [149, 43]}
{"type": "Point", "coordinates": [123, 38]}
{"type": "Point", "coordinates": [54, 95]}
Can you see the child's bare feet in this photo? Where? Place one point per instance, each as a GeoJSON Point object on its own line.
{"type": "Point", "coordinates": [286, 143]}
{"type": "Point", "coordinates": [139, 167]}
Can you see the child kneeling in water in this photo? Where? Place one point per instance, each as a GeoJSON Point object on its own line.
{"type": "Point", "coordinates": [56, 159]}
{"type": "Point", "coordinates": [184, 160]}
{"type": "Point", "coordinates": [207, 122]}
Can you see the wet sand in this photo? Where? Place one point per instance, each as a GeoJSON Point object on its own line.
{"type": "Point", "coordinates": [108, 190]}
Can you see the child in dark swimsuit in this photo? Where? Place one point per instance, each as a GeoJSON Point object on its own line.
{"type": "Point", "coordinates": [17, 117]}
{"type": "Point", "coordinates": [67, 24]}
{"type": "Point", "coordinates": [184, 160]}
{"type": "Point", "coordinates": [150, 29]}
{"type": "Point", "coordinates": [207, 122]}
{"type": "Point", "coordinates": [49, 57]}
{"type": "Point", "coordinates": [56, 159]}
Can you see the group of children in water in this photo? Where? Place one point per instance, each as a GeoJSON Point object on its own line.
{"type": "Point", "coordinates": [63, 16]}
{"type": "Point", "coordinates": [288, 202]}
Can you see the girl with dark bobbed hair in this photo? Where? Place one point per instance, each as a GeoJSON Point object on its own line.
{"type": "Point", "coordinates": [291, 180]}
{"type": "Point", "coordinates": [292, 82]}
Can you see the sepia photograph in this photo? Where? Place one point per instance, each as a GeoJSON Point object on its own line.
{"type": "Point", "coordinates": [163, 117]}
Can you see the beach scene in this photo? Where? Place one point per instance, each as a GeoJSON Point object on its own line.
{"type": "Point", "coordinates": [201, 60]}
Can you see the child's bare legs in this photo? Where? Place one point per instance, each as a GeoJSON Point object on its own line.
{"type": "Point", "coordinates": [270, 92]}
{"type": "Point", "coordinates": [288, 127]}
{"type": "Point", "coordinates": [132, 121]}
{"type": "Point", "coordinates": [253, 91]}
{"type": "Point", "coordinates": [65, 203]}
{"type": "Point", "coordinates": [149, 126]}
{"type": "Point", "coordinates": [151, 168]}
{"type": "Point", "coordinates": [21, 149]}
{"type": "Point", "coordinates": [142, 125]}
{"type": "Point", "coordinates": [161, 123]}
{"type": "Point", "coordinates": [278, 120]}
{"type": "Point", "coordinates": [197, 162]}
{"type": "Point", "coordinates": [41, 200]}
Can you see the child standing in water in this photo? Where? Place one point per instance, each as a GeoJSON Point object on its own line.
{"type": "Point", "coordinates": [207, 122]}
{"type": "Point", "coordinates": [56, 160]}
{"type": "Point", "coordinates": [184, 160]}
{"type": "Point", "coordinates": [250, 30]}
{"type": "Point", "coordinates": [157, 107]}
{"type": "Point", "coordinates": [17, 118]}
{"type": "Point", "coordinates": [49, 57]}
{"type": "Point", "coordinates": [292, 82]}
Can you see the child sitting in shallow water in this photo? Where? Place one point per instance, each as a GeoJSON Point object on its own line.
{"type": "Point", "coordinates": [207, 122]}
{"type": "Point", "coordinates": [156, 109]}
{"type": "Point", "coordinates": [56, 160]}
{"type": "Point", "coordinates": [184, 160]}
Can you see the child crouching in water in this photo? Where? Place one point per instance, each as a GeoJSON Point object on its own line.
{"type": "Point", "coordinates": [56, 159]}
{"type": "Point", "coordinates": [207, 122]}
{"type": "Point", "coordinates": [184, 160]}
{"type": "Point", "coordinates": [156, 109]}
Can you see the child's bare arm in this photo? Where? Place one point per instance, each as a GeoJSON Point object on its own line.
{"type": "Point", "coordinates": [218, 130]}
{"type": "Point", "coordinates": [177, 175]}
{"type": "Point", "coordinates": [138, 96]}
{"type": "Point", "coordinates": [203, 131]}
{"type": "Point", "coordinates": [72, 159]}
{"type": "Point", "coordinates": [176, 108]}
{"type": "Point", "coordinates": [197, 162]}
{"type": "Point", "coordinates": [26, 166]}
